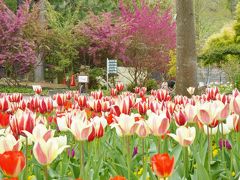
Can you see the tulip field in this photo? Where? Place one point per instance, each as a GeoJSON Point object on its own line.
{"type": "Point", "coordinates": [137, 135]}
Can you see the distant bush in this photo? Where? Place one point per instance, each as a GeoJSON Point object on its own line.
{"type": "Point", "coordinates": [151, 84]}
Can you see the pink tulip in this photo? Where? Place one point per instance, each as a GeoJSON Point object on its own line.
{"type": "Point", "coordinates": [46, 152]}
{"type": "Point", "coordinates": [136, 90]}
{"type": "Point", "coordinates": [81, 128]}
{"type": "Point", "coordinates": [191, 113]}
{"type": "Point", "coordinates": [208, 112]}
{"type": "Point", "coordinates": [235, 104]}
{"type": "Point", "coordinates": [142, 129]}
{"type": "Point", "coordinates": [236, 123]}
{"type": "Point", "coordinates": [184, 135]}
{"type": "Point", "coordinates": [158, 124]}
{"type": "Point", "coordinates": [40, 132]}
{"type": "Point", "coordinates": [235, 92]}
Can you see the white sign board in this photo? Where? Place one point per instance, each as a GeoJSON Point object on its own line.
{"type": "Point", "coordinates": [83, 79]}
{"type": "Point", "coordinates": [111, 66]}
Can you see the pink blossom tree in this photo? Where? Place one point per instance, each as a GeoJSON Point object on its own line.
{"type": "Point", "coordinates": [153, 36]}
{"type": "Point", "coordinates": [17, 55]}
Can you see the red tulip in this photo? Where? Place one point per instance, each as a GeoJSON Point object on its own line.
{"type": "Point", "coordinates": [4, 120]}
{"type": "Point", "coordinates": [235, 92]}
{"type": "Point", "coordinates": [162, 165]}
{"type": "Point", "coordinates": [118, 178]}
{"type": "Point", "coordinates": [12, 163]}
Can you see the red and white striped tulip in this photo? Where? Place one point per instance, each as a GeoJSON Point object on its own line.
{"type": "Point", "coordinates": [15, 97]}
{"type": "Point", "coordinates": [37, 89]}
{"type": "Point", "coordinates": [45, 105]}
{"type": "Point", "coordinates": [142, 107]}
{"type": "Point", "coordinates": [184, 135]}
{"type": "Point", "coordinates": [60, 99]}
{"type": "Point", "coordinates": [4, 104]}
{"type": "Point", "coordinates": [119, 86]}
{"type": "Point", "coordinates": [163, 95]}
{"type": "Point", "coordinates": [113, 92]}
{"type": "Point", "coordinates": [82, 101]}
{"type": "Point", "coordinates": [212, 93]}
{"type": "Point", "coordinates": [22, 121]}
{"type": "Point", "coordinates": [97, 94]}
{"type": "Point", "coordinates": [99, 124]}
{"type": "Point", "coordinates": [180, 118]}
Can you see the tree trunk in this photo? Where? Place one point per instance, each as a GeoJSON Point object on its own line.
{"type": "Point", "coordinates": [186, 48]}
{"type": "Point", "coordinates": [39, 69]}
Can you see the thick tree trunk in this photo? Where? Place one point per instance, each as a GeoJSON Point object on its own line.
{"type": "Point", "coordinates": [39, 69]}
{"type": "Point", "coordinates": [186, 48]}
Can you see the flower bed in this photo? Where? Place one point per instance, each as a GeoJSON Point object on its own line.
{"type": "Point", "coordinates": [121, 136]}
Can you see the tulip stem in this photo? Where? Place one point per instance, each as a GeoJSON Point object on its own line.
{"type": "Point", "coordinates": [45, 169]}
{"type": "Point", "coordinates": [128, 157]}
{"type": "Point", "coordinates": [209, 149]}
{"type": "Point", "coordinates": [144, 161]}
{"type": "Point", "coordinates": [223, 158]}
{"type": "Point", "coordinates": [159, 144]}
{"type": "Point", "coordinates": [185, 151]}
{"type": "Point", "coordinates": [81, 150]}
{"type": "Point", "coordinates": [26, 167]}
